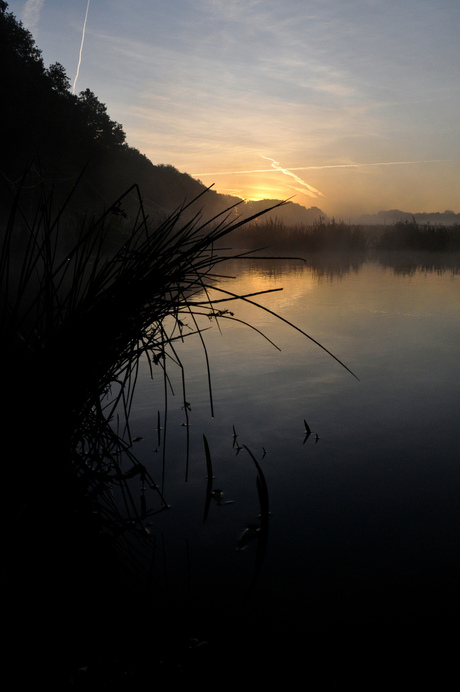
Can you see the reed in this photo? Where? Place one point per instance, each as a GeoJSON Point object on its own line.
{"type": "Point", "coordinates": [320, 236]}
{"type": "Point", "coordinates": [420, 237]}
{"type": "Point", "coordinates": [79, 309]}
{"type": "Point", "coordinates": [83, 301]}
{"type": "Point", "coordinates": [81, 305]}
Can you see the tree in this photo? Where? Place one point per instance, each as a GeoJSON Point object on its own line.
{"type": "Point", "coordinates": [96, 119]}
{"type": "Point", "coordinates": [59, 79]}
{"type": "Point", "coordinates": [16, 41]}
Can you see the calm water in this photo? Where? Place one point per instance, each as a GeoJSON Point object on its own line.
{"type": "Point", "coordinates": [364, 522]}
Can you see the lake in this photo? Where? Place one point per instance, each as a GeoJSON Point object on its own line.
{"type": "Point", "coordinates": [362, 552]}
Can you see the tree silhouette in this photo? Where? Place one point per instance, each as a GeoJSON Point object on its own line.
{"type": "Point", "coordinates": [59, 79]}
{"type": "Point", "coordinates": [62, 134]}
{"type": "Point", "coordinates": [96, 119]}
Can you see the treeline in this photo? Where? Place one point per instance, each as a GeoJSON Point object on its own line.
{"type": "Point", "coordinates": [321, 235]}
{"type": "Point", "coordinates": [41, 117]}
{"type": "Point", "coordinates": [338, 236]}
{"type": "Point", "coordinates": [410, 235]}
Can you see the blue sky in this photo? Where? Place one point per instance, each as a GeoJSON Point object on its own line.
{"type": "Point", "coordinates": [348, 105]}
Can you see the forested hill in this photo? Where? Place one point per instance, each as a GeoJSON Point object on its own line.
{"type": "Point", "coordinates": [58, 136]}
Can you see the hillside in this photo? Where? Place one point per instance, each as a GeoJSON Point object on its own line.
{"type": "Point", "coordinates": [291, 214]}
{"type": "Point", "coordinates": [57, 137]}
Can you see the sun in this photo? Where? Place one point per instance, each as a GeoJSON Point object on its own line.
{"type": "Point", "coordinates": [251, 191]}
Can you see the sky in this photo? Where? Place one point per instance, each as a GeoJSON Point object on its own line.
{"type": "Point", "coordinates": [347, 105]}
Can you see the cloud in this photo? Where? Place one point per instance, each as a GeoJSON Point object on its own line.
{"type": "Point", "coordinates": [31, 14]}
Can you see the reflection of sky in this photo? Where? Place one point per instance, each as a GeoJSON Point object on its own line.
{"type": "Point", "coordinates": [373, 499]}
{"type": "Point", "coordinates": [212, 86]}
{"type": "Point", "coordinates": [400, 336]}
{"type": "Point", "coordinates": [370, 509]}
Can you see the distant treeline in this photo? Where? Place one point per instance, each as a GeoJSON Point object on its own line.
{"type": "Point", "coordinates": [411, 235]}
{"type": "Point", "coordinates": [320, 235]}
{"type": "Point", "coordinates": [338, 236]}
{"type": "Point", "coordinates": [392, 216]}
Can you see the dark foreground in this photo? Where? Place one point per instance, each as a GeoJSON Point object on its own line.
{"type": "Point", "coordinates": [88, 624]}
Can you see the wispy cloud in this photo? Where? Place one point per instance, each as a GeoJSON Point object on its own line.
{"type": "Point", "coordinates": [81, 47]}
{"type": "Point", "coordinates": [31, 14]}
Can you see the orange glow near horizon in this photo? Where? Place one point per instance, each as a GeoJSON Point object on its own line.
{"type": "Point", "coordinates": [341, 190]}
{"type": "Point", "coordinates": [286, 285]}
{"type": "Point", "coordinates": [257, 186]}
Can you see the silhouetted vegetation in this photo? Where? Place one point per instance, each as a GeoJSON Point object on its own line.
{"type": "Point", "coordinates": [87, 288]}
{"type": "Point", "coordinates": [84, 295]}
{"type": "Point", "coordinates": [320, 236]}
{"type": "Point", "coordinates": [339, 237]}
{"type": "Point", "coordinates": [75, 321]}
{"type": "Point", "coordinates": [410, 235]}
{"type": "Point", "coordinates": [43, 119]}
{"type": "Point", "coordinates": [54, 135]}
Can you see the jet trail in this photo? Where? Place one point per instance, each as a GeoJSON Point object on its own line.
{"type": "Point", "coordinates": [81, 47]}
{"type": "Point", "coordinates": [317, 168]}
{"type": "Point", "coordinates": [308, 189]}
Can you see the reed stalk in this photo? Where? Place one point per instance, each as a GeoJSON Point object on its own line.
{"type": "Point", "coordinates": [75, 321]}
{"type": "Point", "coordinates": [80, 307]}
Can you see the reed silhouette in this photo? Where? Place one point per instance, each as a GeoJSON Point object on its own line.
{"type": "Point", "coordinates": [81, 305]}
{"type": "Point", "coordinates": [79, 308]}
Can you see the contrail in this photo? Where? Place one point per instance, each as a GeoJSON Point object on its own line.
{"type": "Point", "coordinates": [81, 47]}
{"type": "Point", "coordinates": [308, 189]}
{"type": "Point", "coordinates": [316, 168]}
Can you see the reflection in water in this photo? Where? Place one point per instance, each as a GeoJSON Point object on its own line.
{"type": "Point", "coordinates": [363, 543]}
{"type": "Point", "coordinates": [408, 263]}
{"type": "Point", "coordinates": [322, 265]}
{"type": "Point", "coordinates": [332, 265]}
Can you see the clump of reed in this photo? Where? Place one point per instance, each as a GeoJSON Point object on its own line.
{"type": "Point", "coordinates": [320, 236]}
{"type": "Point", "coordinates": [82, 302]}
{"type": "Point", "coordinates": [81, 305]}
{"type": "Point", "coordinates": [79, 308]}
{"type": "Point", "coordinates": [414, 236]}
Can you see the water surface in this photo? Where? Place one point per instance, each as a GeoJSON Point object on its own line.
{"type": "Point", "coordinates": [364, 521]}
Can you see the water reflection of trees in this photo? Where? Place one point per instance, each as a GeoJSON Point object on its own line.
{"type": "Point", "coordinates": [323, 264]}
{"type": "Point", "coordinates": [336, 265]}
{"type": "Point", "coordinates": [407, 263]}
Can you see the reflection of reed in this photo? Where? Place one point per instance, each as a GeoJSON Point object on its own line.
{"type": "Point", "coordinates": [209, 476]}
{"type": "Point", "coordinates": [335, 266]}
{"type": "Point", "coordinates": [252, 532]}
{"type": "Point", "coordinates": [407, 263]}
{"type": "Point", "coordinates": [261, 532]}
{"type": "Point", "coordinates": [331, 265]}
